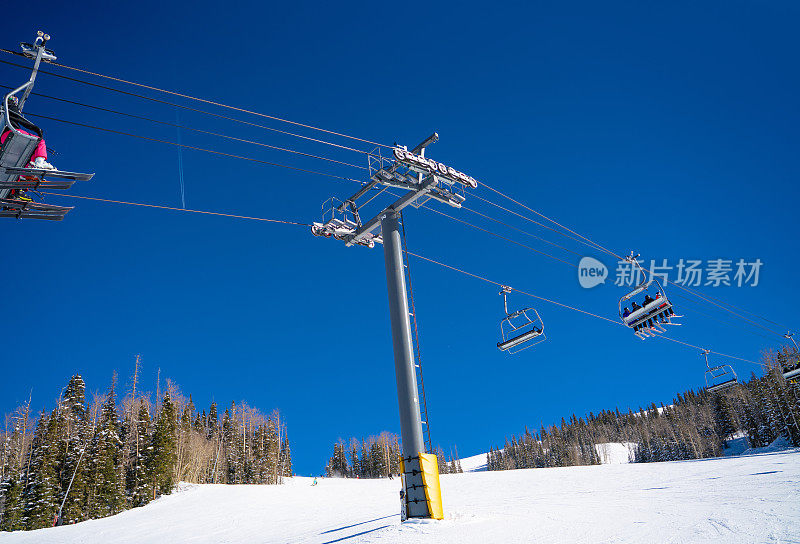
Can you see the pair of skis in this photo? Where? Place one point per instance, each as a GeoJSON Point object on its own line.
{"type": "Point", "coordinates": [34, 179]}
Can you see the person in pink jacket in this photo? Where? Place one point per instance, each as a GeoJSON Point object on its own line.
{"type": "Point", "coordinates": [39, 156]}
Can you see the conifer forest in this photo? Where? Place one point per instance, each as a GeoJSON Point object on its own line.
{"type": "Point", "coordinates": [377, 457]}
{"type": "Point", "coordinates": [694, 426]}
{"type": "Point", "coordinates": [91, 458]}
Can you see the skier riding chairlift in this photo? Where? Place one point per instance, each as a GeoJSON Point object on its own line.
{"type": "Point", "coordinates": [648, 319]}
{"type": "Point", "coordinates": [23, 152]}
{"type": "Point", "coordinates": [39, 157]}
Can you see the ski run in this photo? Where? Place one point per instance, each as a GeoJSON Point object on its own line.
{"type": "Point", "coordinates": [749, 499]}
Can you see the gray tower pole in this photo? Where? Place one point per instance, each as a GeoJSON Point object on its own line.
{"type": "Point", "coordinates": [415, 501]}
{"type": "Point", "coordinates": [407, 393]}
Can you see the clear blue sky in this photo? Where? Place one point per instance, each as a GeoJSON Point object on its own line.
{"type": "Point", "coordinates": [590, 113]}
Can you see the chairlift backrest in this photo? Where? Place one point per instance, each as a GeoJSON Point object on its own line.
{"type": "Point", "coordinates": [639, 289]}
{"type": "Point", "coordinates": [18, 147]}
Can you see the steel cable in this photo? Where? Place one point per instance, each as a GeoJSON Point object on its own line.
{"type": "Point", "coordinates": [203, 100]}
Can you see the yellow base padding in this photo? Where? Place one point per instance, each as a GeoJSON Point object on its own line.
{"type": "Point", "coordinates": [430, 477]}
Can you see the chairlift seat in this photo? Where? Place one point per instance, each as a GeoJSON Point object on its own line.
{"type": "Point", "coordinates": [719, 378]}
{"type": "Point", "coordinates": [722, 385]}
{"type": "Point", "coordinates": [520, 331]}
{"type": "Point", "coordinates": [520, 339]}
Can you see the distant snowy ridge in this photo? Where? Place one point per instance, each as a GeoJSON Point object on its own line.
{"type": "Point", "coordinates": [610, 453]}
{"type": "Point", "coordinates": [620, 453]}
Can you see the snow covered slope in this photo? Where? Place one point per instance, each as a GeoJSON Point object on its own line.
{"type": "Point", "coordinates": [732, 500]}
{"type": "Point", "coordinates": [615, 453]}
{"type": "Point", "coordinates": [476, 463]}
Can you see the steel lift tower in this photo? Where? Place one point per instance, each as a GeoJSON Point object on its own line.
{"type": "Point", "coordinates": [423, 180]}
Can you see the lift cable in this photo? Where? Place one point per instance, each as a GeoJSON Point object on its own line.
{"type": "Point", "coordinates": [303, 170]}
{"type": "Point", "coordinates": [203, 100]}
{"type": "Point", "coordinates": [478, 197]}
{"type": "Point", "coordinates": [204, 112]}
{"type": "Point", "coordinates": [615, 322]}
{"type": "Point", "coordinates": [270, 163]}
{"type": "Point", "coordinates": [185, 146]}
{"type": "Point", "coordinates": [258, 143]}
{"type": "Point", "coordinates": [492, 233]}
{"type": "Point", "coordinates": [592, 242]}
{"type": "Point", "coordinates": [748, 312]}
{"type": "Point", "coordinates": [240, 121]}
{"type": "Point", "coordinates": [588, 241]}
{"type": "Point", "coordinates": [176, 125]}
{"type": "Point", "coordinates": [700, 296]}
{"type": "Point", "coordinates": [523, 231]}
{"type": "Point", "coordinates": [694, 304]}
{"type": "Point", "coordinates": [450, 267]}
{"type": "Point", "coordinates": [177, 209]}
{"type": "Point", "coordinates": [585, 240]}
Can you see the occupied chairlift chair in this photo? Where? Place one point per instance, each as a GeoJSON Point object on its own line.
{"type": "Point", "coordinates": [719, 378]}
{"type": "Point", "coordinates": [16, 152]}
{"type": "Point", "coordinates": [649, 319]}
{"type": "Point", "coordinates": [520, 330]}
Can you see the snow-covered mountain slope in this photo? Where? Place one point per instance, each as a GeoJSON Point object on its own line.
{"type": "Point", "coordinates": [615, 453]}
{"type": "Point", "coordinates": [475, 463]}
{"type": "Point", "coordinates": [732, 500]}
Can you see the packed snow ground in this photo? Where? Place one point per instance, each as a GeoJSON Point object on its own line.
{"type": "Point", "coordinates": [743, 499]}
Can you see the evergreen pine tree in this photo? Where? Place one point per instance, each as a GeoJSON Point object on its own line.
{"type": "Point", "coordinates": [72, 464]}
{"type": "Point", "coordinates": [11, 496]}
{"type": "Point", "coordinates": [40, 494]}
{"type": "Point", "coordinates": [286, 459]}
{"type": "Point", "coordinates": [139, 477]}
{"type": "Point", "coordinates": [106, 472]}
{"type": "Point", "coordinates": [160, 462]}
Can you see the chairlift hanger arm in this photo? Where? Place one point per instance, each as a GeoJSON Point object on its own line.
{"type": "Point", "coordinates": [505, 290]}
{"type": "Point", "coordinates": [38, 44]}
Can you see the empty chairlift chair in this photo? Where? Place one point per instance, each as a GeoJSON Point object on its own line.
{"type": "Point", "coordinates": [655, 311]}
{"type": "Point", "coordinates": [791, 369]}
{"type": "Point", "coordinates": [521, 329]}
{"type": "Point", "coordinates": [719, 378]}
{"type": "Point", "coordinates": [19, 147]}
